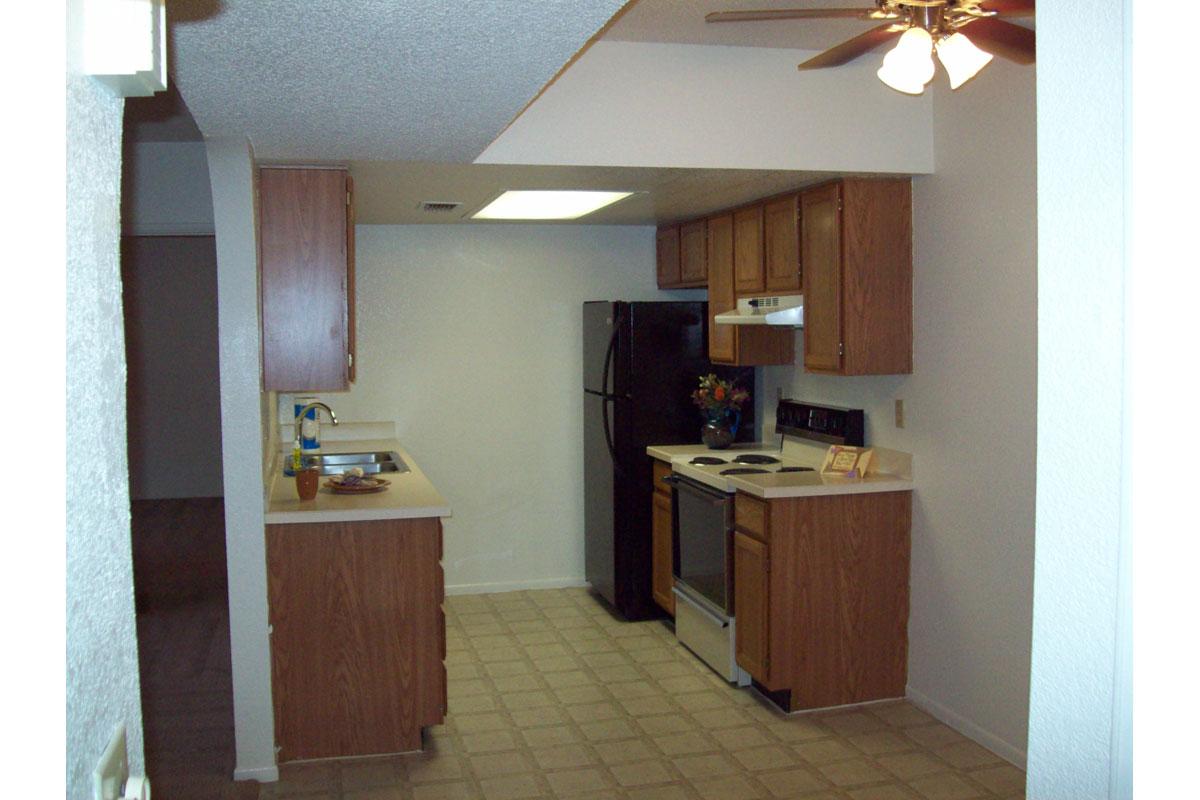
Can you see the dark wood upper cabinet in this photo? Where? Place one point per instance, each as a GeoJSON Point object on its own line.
{"type": "Point", "coordinates": [748, 250]}
{"type": "Point", "coordinates": [682, 256]}
{"type": "Point", "coordinates": [693, 249]}
{"type": "Point", "coordinates": [821, 251]}
{"type": "Point", "coordinates": [856, 256]}
{"type": "Point", "coordinates": [740, 345]}
{"type": "Point", "coordinates": [667, 256]}
{"type": "Point", "coordinates": [781, 244]}
{"type": "Point", "coordinates": [722, 348]}
{"type": "Point", "coordinates": [306, 243]}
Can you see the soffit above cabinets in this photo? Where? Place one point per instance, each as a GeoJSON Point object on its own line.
{"type": "Point", "coordinates": [391, 193]}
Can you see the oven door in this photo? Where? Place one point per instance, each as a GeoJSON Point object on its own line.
{"type": "Point", "coordinates": [703, 522]}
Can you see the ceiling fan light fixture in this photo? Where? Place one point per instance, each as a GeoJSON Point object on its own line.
{"type": "Point", "coordinates": [961, 58]}
{"type": "Point", "coordinates": [909, 65]}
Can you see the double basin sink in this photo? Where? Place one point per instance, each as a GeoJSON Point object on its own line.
{"type": "Point", "coordinates": [370, 463]}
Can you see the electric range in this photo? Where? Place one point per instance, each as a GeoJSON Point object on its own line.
{"type": "Point", "coordinates": [702, 493]}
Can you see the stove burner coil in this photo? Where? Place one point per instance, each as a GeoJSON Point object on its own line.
{"type": "Point", "coordinates": [707, 461]}
{"type": "Point", "coordinates": [756, 459]}
{"type": "Point", "coordinates": [795, 469]}
{"type": "Point", "coordinates": [743, 471]}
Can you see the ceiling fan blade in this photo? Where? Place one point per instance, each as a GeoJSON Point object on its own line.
{"type": "Point", "coordinates": [788, 13]}
{"type": "Point", "coordinates": [1003, 39]}
{"type": "Point", "coordinates": [851, 49]}
{"type": "Point", "coordinates": [1009, 8]}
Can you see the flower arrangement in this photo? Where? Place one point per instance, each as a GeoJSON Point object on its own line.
{"type": "Point", "coordinates": [716, 397]}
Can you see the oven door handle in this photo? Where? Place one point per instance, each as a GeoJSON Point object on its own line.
{"type": "Point", "coordinates": [696, 488]}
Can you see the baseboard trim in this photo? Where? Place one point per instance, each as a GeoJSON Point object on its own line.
{"type": "Point", "coordinates": [516, 586]}
{"type": "Point", "coordinates": [968, 728]}
{"type": "Point", "coordinates": [260, 774]}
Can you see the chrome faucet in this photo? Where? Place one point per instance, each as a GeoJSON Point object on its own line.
{"type": "Point", "coordinates": [309, 407]}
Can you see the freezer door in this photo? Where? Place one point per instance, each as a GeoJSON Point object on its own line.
{"type": "Point", "coordinates": [601, 339]}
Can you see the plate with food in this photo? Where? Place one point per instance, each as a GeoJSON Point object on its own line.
{"type": "Point", "coordinates": [355, 482]}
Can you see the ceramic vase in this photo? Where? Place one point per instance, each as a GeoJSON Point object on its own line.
{"type": "Point", "coordinates": [720, 428]}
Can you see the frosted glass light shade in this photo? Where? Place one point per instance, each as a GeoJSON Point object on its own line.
{"type": "Point", "coordinates": [961, 58]}
{"type": "Point", "coordinates": [909, 66]}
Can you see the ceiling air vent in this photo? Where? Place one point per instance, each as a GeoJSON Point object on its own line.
{"type": "Point", "coordinates": [439, 206]}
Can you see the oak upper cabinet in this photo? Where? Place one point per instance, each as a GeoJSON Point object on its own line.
{"type": "Point", "coordinates": [306, 240]}
{"type": "Point", "coordinates": [693, 254]}
{"type": "Point", "coordinates": [663, 539]}
{"type": "Point", "coordinates": [821, 591]}
{"type": "Point", "coordinates": [667, 256]}
{"type": "Point", "coordinates": [856, 260]}
{"type": "Point", "coordinates": [739, 345]}
{"type": "Point", "coordinates": [748, 250]}
{"type": "Point", "coordinates": [781, 244]}
{"type": "Point", "coordinates": [722, 347]}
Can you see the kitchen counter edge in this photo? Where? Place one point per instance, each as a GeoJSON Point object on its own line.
{"type": "Point", "coordinates": [410, 496]}
{"type": "Point", "coordinates": [784, 485]}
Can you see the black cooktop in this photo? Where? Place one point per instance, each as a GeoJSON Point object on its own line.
{"type": "Point", "coordinates": [707, 461]}
{"type": "Point", "coordinates": [752, 458]}
{"type": "Point", "coordinates": [742, 470]}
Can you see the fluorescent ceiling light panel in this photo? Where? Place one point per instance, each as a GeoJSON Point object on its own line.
{"type": "Point", "coordinates": [547, 204]}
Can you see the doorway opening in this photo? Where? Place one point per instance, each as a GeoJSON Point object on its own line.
{"type": "Point", "coordinates": [169, 292]}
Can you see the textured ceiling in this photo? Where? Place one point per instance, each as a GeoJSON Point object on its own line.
{"type": "Point", "coordinates": [408, 80]}
{"type": "Point", "coordinates": [391, 193]}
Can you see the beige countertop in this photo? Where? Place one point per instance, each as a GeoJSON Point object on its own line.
{"type": "Point", "coordinates": [810, 484]}
{"type": "Point", "coordinates": [409, 496]}
{"type": "Point", "coordinates": [894, 475]}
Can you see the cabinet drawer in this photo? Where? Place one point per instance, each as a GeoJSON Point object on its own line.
{"type": "Point", "coordinates": [750, 516]}
{"type": "Point", "coordinates": [661, 469]}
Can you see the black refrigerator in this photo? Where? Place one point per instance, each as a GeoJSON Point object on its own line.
{"type": "Point", "coordinates": [641, 363]}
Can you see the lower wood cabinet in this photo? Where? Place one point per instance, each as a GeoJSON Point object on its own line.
{"type": "Point", "coordinates": [663, 536]}
{"type": "Point", "coordinates": [821, 596]}
{"type": "Point", "coordinates": [358, 637]}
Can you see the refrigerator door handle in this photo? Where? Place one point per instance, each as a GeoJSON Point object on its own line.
{"type": "Point", "coordinates": [608, 356]}
{"type": "Point", "coordinates": [612, 451]}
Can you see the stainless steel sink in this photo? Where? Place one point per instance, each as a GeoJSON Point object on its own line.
{"type": "Point", "coordinates": [371, 463]}
{"type": "Point", "coordinates": [357, 458]}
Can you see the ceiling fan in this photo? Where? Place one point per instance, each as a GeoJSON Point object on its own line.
{"type": "Point", "coordinates": [924, 27]}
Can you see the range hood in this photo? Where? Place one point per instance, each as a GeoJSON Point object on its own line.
{"type": "Point", "coordinates": [781, 309]}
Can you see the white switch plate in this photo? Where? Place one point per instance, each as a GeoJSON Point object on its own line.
{"type": "Point", "coordinates": [108, 780]}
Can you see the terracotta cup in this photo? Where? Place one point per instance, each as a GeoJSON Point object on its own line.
{"type": "Point", "coordinates": [306, 483]}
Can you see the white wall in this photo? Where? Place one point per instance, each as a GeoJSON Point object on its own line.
{"type": "Point", "coordinates": [174, 393]}
{"type": "Point", "coordinates": [470, 339]}
{"type": "Point", "coordinates": [970, 404]}
{"type": "Point", "coordinates": [166, 190]}
{"type": "Point", "coordinates": [102, 688]}
{"type": "Point", "coordinates": [673, 105]}
{"type": "Point", "coordinates": [1082, 147]}
{"type": "Point", "coordinates": [245, 432]}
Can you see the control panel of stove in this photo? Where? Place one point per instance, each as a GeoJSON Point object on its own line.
{"type": "Point", "coordinates": [829, 424]}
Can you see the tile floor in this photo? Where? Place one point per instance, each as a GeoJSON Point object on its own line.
{"type": "Point", "coordinates": [551, 697]}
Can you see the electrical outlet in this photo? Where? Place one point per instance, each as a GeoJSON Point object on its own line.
{"type": "Point", "coordinates": [899, 413]}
